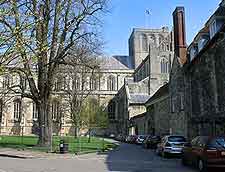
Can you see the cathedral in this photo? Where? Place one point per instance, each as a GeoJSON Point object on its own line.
{"type": "Point", "coordinates": [125, 83]}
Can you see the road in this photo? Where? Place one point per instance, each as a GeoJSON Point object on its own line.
{"type": "Point", "coordinates": [126, 158]}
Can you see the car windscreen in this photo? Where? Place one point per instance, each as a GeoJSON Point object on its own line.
{"type": "Point", "coordinates": [176, 139]}
{"type": "Point", "coordinates": [142, 137]}
{"type": "Point", "coordinates": [218, 142]}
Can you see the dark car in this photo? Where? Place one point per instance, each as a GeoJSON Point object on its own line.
{"type": "Point", "coordinates": [204, 152]}
{"type": "Point", "coordinates": [131, 139]}
{"type": "Point", "coordinates": [151, 142]}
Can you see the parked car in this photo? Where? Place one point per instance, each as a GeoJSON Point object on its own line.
{"type": "Point", "coordinates": [204, 152]}
{"type": "Point", "coordinates": [112, 135]}
{"type": "Point", "coordinates": [151, 142]}
{"type": "Point", "coordinates": [145, 143]}
{"type": "Point", "coordinates": [171, 145]}
{"type": "Point", "coordinates": [140, 139]}
{"type": "Point", "coordinates": [131, 139]}
{"type": "Point", "coordinates": [120, 138]}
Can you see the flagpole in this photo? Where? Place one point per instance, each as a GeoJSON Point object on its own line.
{"type": "Point", "coordinates": [147, 15]}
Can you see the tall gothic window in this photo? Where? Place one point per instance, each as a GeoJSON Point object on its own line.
{"type": "Point", "coordinates": [93, 83]}
{"type": "Point", "coordinates": [7, 81]}
{"type": "Point", "coordinates": [55, 110]}
{"type": "Point", "coordinates": [65, 83]}
{"type": "Point", "coordinates": [76, 83]}
{"type": "Point", "coordinates": [164, 66]}
{"type": "Point", "coordinates": [111, 110]}
{"type": "Point", "coordinates": [35, 111]}
{"type": "Point", "coordinates": [1, 110]}
{"type": "Point", "coordinates": [144, 43]}
{"type": "Point", "coordinates": [111, 83]}
{"type": "Point", "coordinates": [23, 82]}
{"type": "Point", "coordinates": [17, 109]}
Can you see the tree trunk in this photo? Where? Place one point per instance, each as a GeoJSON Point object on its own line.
{"type": "Point", "coordinates": [45, 124]}
{"type": "Point", "coordinates": [89, 135]}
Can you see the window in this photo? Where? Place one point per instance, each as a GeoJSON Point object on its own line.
{"type": "Point", "coordinates": [173, 105]}
{"type": "Point", "coordinates": [193, 52]}
{"type": "Point", "coordinates": [164, 66]}
{"type": "Point", "coordinates": [65, 83]}
{"type": "Point", "coordinates": [76, 83]}
{"type": "Point", "coordinates": [23, 83]}
{"type": "Point", "coordinates": [181, 102]}
{"type": "Point", "coordinates": [212, 29]}
{"type": "Point", "coordinates": [93, 84]}
{"type": "Point", "coordinates": [7, 81]}
{"type": "Point", "coordinates": [1, 110]}
{"type": "Point", "coordinates": [202, 41]}
{"type": "Point", "coordinates": [144, 43]}
{"type": "Point", "coordinates": [111, 110]}
{"type": "Point", "coordinates": [215, 26]}
{"type": "Point", "coordinates": [111, 83]}
{"type": "Point", "coordinates": [17, 109]}
{"type": "Point", "coordinates": [58, 84]}
{"type": "Point", "coordinates": [35, 111]}
{"type": "Point", "coordinates": [55, 110]}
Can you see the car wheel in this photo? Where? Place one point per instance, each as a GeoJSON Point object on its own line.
{"type": "Point", "coordinates": [201, 166]}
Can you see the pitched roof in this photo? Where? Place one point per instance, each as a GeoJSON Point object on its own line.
{"type": "Point", "coordinates": [160, 92]}
{"type": "Point", "coordinates": [138, 116]}
{"type": "Point", "coordinates": [138, 98]}
{"type": "Point", "coordinates": [115, 63]}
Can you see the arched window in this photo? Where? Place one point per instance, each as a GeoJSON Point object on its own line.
{"type": "Point", "coordinates": [35, 111]}
{"type": "Point", "coordinates": [111, 83]}
{"type": "Point", "coordinates": [17, 109]}
{"type": "Point", "coordinates": [111, 110]}
{"type": "Point", "coordinates": [164, 66]}
{"type": "Point", "coordinates": [93, 83]}
{"type": "Point", "coordinates": [144, 43]}
{"type": "Point", "coordinates": [76, 83]}
{"type": "Point", "coordinates": [7, 81]}
{"type": "Point", "coordinates": [1, 110]}
{"type": "Point", "coordinates": [56, 110]}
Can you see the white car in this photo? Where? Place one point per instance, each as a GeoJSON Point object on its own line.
{"type": "Point", "coordinates": [140, 139]}
{"type": "Point", "coordinates": [171, 144]}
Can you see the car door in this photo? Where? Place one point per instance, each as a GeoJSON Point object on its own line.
{"type": "Point", "coordinates": [198, 149]}
{"type": "Point", "coordinates": [192, 151]}
{"type": "Point", "coordinates": [160, 145]}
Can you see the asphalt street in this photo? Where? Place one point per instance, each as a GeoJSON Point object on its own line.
{"type": "Point", "coordinates": [126, 158]}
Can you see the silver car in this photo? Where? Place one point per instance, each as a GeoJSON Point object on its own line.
{"type": "Point", "coordinates": [171, 144]}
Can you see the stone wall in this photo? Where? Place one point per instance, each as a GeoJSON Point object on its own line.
{"type": "Point", "coordinates": [205, 77]}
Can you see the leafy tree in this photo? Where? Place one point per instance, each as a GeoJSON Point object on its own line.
{"type": "Point", "coordinates": [37, 37]}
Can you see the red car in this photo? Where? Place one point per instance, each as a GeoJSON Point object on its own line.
{"type": "Point", "coordinates": [204, 152]}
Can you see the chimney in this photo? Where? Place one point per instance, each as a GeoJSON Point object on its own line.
{"type": "Point", "coordinates": [180, 47]}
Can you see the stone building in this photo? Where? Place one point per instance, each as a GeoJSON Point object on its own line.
{"type": "Point", "coordinates": [204, 78]}
{"type": "Point", "coordinates": [116, 76]}
{"type": "Point", "coordinates": [157, 119]}
{"type": "Point", "coordinates": [197, 84]}
{"type": "Point", "coordinates": [151, 51]}
{"type": "Point", "coordinates": [19, 115]}
{"type": "Point", "coordinates": [193, 102]}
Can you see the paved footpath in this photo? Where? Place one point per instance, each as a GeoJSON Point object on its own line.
{"type": "Point", "coordinates": [126, 158]}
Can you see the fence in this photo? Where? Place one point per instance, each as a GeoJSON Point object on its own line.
{"type": "Point", "coordinates": [26, 137]}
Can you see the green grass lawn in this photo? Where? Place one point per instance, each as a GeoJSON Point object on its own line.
{"type": "Point", "coordinates": [77, 145]}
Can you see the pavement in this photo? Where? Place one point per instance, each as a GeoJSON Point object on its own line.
{"type": "Point", "coordinates": [125, 158]}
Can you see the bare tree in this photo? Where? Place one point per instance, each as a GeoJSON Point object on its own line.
{"type": "Point", "coordinates": [85, 80]}
{"type": "Point", "coordinates": [36, 37]}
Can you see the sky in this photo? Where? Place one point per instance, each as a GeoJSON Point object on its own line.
{"type": "Point", "coordinates": [124, 15]}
